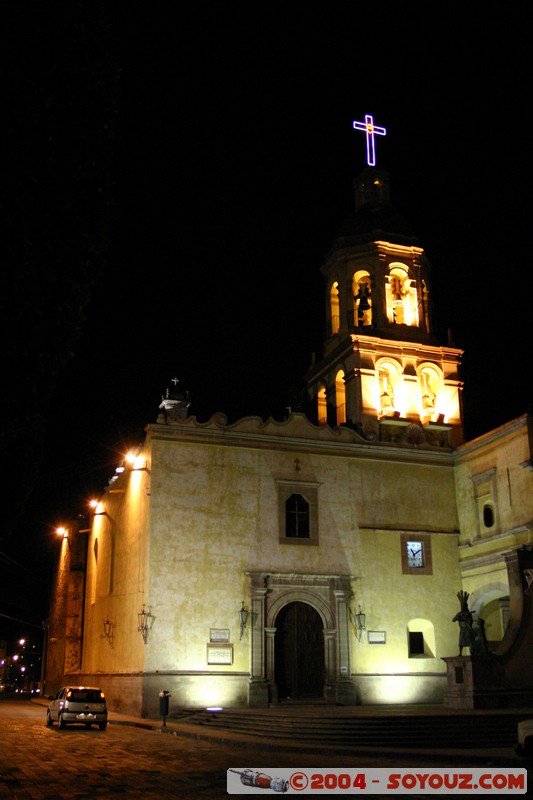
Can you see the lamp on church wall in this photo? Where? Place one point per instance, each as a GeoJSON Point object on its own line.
{"type": "Point", "coordinates": [108, 631]}
{"type": "Point", "coordinates": [360, 619]}
{"type": "Point", "coordinates": [64, 533]}
{"type": "Point", "coordinates": [143, 622]}
{"type": "Point", "coordinates": [243, 617]}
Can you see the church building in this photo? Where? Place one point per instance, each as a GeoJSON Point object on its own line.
{"type": "Point", "coordinates": [318, 558]}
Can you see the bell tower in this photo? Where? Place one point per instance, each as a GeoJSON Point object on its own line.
{"type": "Point", "coordinates": [382, 371]}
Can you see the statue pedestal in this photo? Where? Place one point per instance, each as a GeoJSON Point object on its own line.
{"type": "Point", "coordinates": [474, 682]}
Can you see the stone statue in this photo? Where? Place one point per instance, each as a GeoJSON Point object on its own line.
{"type": "Point", "coordinates": [479, 645]}
{"type": "Point", "coordinates": [465, 619]}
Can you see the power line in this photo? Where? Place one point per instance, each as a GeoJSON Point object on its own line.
{"type": "Point", "coordinates": [24, 622]}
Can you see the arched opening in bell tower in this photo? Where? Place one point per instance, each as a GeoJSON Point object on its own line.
{"type": "Point", "coordinates": [362, 299]}
{"type": "Point", "coordinates": [431, 382]}
{"type": "Point", "coordinates": [389, 388]}
{"type": "Point", "coordinates": [401, 297]}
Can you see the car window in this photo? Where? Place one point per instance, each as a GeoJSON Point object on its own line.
{"type": "Point", "coordinates": [85, 696]}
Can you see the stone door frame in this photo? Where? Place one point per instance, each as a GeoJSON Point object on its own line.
{"type": "Point", "coordinates": [330, 596]}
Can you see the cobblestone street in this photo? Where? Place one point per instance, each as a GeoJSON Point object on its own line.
{"type": "Point", "coordinates": [129, 761]}
{"type": "Point", "coordinates": [39, 762]}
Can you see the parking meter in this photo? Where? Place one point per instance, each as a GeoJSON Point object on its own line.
{"type": "Point", "coordinates": [164, 698]}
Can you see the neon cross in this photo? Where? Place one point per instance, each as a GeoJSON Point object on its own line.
{"type": "Point", "coordinates": [371, 130]}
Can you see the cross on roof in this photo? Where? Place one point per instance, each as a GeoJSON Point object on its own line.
{"type": "Point", "coordinates": [371, 131]}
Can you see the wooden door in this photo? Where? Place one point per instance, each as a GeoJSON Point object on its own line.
{"type": "Point", "coordinates": [299, 652]}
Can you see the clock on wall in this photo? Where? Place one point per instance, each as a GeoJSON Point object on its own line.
{"type": "Point", "coordinates": [415, 554]}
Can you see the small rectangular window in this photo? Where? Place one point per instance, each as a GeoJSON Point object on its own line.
{"type": "Point", "coordinates": [298, 512]}
{"type": "Point", "coordinates": [297, 517]}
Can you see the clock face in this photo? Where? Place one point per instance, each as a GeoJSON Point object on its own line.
{"type": "Point", "coordinates": [415, 554]}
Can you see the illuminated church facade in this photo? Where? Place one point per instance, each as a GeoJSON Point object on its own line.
{"type": "Point", "coordinates": [316, 558]}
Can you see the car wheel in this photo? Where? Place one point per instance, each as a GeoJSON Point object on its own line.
{"type": "Point", "coordinates": [102, 725]}
{"type": "Point", "coordinates": [49, 720]}
{"type": "Point", "coordinates": [61, 722]}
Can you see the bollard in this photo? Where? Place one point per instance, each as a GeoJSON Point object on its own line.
{"type": "Point", "coordinates": [164, 697]}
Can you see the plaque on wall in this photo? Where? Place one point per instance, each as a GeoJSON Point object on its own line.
{"type": "Point", "coordinates": [219, 634]}
{"type": "Point", "coordinates": [219, 654]}
{"type": "Point", "coordinates": [377, 637]}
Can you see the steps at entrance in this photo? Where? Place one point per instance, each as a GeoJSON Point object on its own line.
{"type": "Point", "coordinates": [424, 731]}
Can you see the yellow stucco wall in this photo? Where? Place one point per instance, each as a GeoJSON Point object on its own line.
{"type": "Point", "coordinates": [493, 470]}
{"type": "Point", "coordinates": [181, 536]}
{"type": "Point", "coordinates": [214, 517]}
{"type": "Point", "coordinates": [116, 576]}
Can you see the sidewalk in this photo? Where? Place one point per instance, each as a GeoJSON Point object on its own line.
{"type": "Point", "coordinates": [499, 756]}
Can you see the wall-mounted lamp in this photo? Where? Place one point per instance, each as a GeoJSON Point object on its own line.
{"type": "Point", "coordinates": [243, 616]}
{"type": "Point", "coordinates": [108, 631]}
{"type": "Point", "coordinates": [140, 465]}
{"type": "Point", "coordinates": [360, 619]}
{"type": "Point", "coordinates": [136, 461]}
{"type": "Point", "coordinates": [143, 622]}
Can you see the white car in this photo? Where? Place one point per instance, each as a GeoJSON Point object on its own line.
{"type": "Point", "coordinates": [85, 705]}
{"type": "Point", "coordinates": [524, 746]}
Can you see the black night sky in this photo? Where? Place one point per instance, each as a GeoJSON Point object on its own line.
{"type": "Point", "coordinates": [174, 176]}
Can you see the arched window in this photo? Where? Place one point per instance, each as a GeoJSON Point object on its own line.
{"type": "Point", "coordinates": [322, 407]}
{"type": "Point", "coordinates": [401, 297]}
{"type": "Point", "coordinates": [386, 392]}
{"type": "Point", "coordinates": [297, 517]}
{"type": "Point", "coordinates": [430, 393]}
{"type": "Point", "coordinates": [389, 384]}
{"type": "Point", "coordinates": [362, 300]}
{"type": "Point", "coordinates": [340, 397]}
{"type": "Point", "coordinates": [334, 308]}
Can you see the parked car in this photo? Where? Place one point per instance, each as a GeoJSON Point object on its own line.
{"type": "Point", "coordinates": [524, 746]}
{"type": "Point", "coordinates": [85, 705]}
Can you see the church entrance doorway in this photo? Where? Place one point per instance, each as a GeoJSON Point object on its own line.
{"type": "Point", "coordinates": [299, 667]}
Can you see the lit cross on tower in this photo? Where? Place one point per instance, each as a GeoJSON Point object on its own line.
{"type": "Point", "coordinates": [371, 130]}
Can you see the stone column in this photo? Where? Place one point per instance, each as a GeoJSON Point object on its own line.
{"type": "Point", "coordinates": [270, 639]}
{"type": "Point", "coordinates": [258, 689]}
{"type": "Point", "coordinates": [330, 646]}
{"type": "Point", "coordinates": [331, 405]}
{"type": "Point", "coordinates": [352, 387]}
{"type": "Point", "coordinates": [345, 691]}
